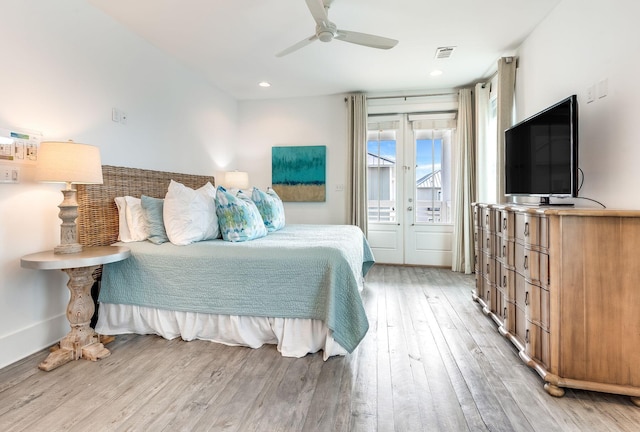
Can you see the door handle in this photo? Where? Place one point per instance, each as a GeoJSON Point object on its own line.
{"type": "Point", "coordinates": [409, 208]}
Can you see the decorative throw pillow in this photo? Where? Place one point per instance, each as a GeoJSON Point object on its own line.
{"type": "Point", "coordinates": [270, 207]}
{"type": "Point", "coordinates": [190, 215]}
{"type": "Point", "coordinates": [152, 208]}
{"type": "Point", "coordinates": [238, 216]}
{"type": "Point", "coordinates": [135, 219]}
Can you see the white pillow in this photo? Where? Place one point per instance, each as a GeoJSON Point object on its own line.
{"type": "Point", "coordinates": [123, 228]}
{"type": "Point", "coordinates": [132, 225]}
{"type": "Point", "coordinates": [136, 221]}
{"type": "Point", "coordinates": [190, 215]}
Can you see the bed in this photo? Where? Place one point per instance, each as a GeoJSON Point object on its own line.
{"type": "Point", "coordinates": [298, 287]}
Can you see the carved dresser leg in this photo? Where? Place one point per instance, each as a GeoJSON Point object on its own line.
{"type": "Point", "coordinates": [554, 390]}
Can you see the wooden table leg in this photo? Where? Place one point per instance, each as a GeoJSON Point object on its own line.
{"type": "Point", "coordinates": [82, 341]}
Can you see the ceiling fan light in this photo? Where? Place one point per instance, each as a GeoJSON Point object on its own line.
{"type": "Point", "coordinates": [325, 36]}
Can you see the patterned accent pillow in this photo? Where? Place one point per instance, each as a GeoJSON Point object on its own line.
{"type": "Point", "coordinates": [238, 217]}
{"type": "Point", "coordinates": [270, 207]}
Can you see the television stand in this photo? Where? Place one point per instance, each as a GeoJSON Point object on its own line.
{"type": "Point", "coordinates": [562, 285]}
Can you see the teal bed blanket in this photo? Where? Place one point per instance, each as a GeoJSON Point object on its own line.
{"type": "Point", "coordinates": [301, 271]}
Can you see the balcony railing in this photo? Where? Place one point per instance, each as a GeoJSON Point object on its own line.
{"type": "Point", "coordinates": [426, 211]}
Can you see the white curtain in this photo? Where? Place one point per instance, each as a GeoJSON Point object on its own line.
{"type": "Point", "coordinates": [357, 137]}
{"type": "Point", "coordinates": [486, 152]}
{"type": "Point", "coordinates": [464, 186]}
{"type": "Point", "coordinates": [506, 90]}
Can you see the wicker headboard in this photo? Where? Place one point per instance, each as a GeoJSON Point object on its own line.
{"type": "Point", "coordinates": [97, 212]}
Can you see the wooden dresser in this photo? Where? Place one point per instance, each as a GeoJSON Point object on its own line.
{"type": "Point", "coordinates": [563, 285]}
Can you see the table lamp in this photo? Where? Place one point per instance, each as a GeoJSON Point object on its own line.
{"type": "Point", "coordinates": [69, 163]}
{"type": "Point", "coordinates": [236, 180]}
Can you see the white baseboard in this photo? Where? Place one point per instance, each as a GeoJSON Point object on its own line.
{"type": "Point", "coordinates": [23, 343]}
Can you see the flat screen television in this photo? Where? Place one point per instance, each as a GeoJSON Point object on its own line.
{"type": "Point", "coordinates": [541, 153]}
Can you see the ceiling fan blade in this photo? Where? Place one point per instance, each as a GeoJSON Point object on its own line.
{"type": "Point", "coordinates": [366, 39]}
{"type": "Point", "coordinates": [295, 47]}
{"type": "Point", "coordinates": [319, 13]}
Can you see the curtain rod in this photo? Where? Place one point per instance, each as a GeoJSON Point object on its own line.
{"type": "Point", "coordinates": [411, 96]}
{"type": "Point", "coordinates": [416, 112]}
{"type": "Point", "coordinates": [493, 75]}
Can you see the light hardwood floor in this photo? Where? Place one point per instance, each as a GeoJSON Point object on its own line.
{"type": "Point", "coordinates": [430, 362]}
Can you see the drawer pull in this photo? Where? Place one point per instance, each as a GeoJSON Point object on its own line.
{"type": "Point", "coordinates": [526, 336]}
{"type": "Point", "coordinates": [526, 298]}
{"type": "Point", "coordinates": [488, 295]}
{"type": "Point", "coordinates": [487, 268]}
{"type": "Point", "coordinates": [504, 250]}
{"type": "Point", "coordinates": [504, 281]}
{"type": "Point", "coordinates": [526, 262]}
{"type": "Point", "coordinates": [504, 224]}
{"type": "Point", "coordinates": [526, 229]}
{"type": "Point", "coordinates": [505, 313]}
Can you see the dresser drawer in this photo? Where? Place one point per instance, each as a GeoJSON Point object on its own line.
{"type": "Point", "coordinates": [488, 242]}
{"type": "Point", "coordinates": [487, 219]}
{"type": "Point", "coordinates": [520, 290]}
{"type": "Point", "coordinates": [508, 283]}
{"type": "Point", "coordinates": [489, 295]}
{"type": "Point", "coordinates": [501, 306]}
{"type": "Point", "coordinates": [504, 223]}
{"type": "Point", "coordinates": [544, 270]}
{"type": "Point", "coordinates": [537, 305]}
{"type": "Point", "coordinates": [509, 323]}
{"type": "Point", "coordinates": [488, 267]}
{"type": "Point", "coordinates": [537, 343]}
{"type": "Point", "coordinates": [505, 251]}
{"type": "Point", "coordinates": [527, 229]}
{"type": "Point", "coordinates": [527, 262]}
{"type": "Point", "coordinates": [520, 325]}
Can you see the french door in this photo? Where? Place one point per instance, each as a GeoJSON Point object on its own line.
{"type": "Point", "coordinates": [409, 193]}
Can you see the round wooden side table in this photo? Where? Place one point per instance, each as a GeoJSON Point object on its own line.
{"type": "Point", "coordinates": [82, 341]}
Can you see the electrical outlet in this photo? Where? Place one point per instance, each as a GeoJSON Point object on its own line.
{"type": "Point", "coordinates": [9, 174]}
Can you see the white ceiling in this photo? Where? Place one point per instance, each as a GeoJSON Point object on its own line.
{"type": "Point", "coordinates": [233, 42]}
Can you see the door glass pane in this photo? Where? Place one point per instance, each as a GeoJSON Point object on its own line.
{"type": "Point", "coordinates": [433, 204]}
{"type": "Point", "coordinates": [381, 175]}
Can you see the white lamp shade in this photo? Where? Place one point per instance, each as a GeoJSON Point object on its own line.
{"type": "Point", "coordinates": [236, 180]}
{"type": "Point", "coordinates": [68, 162]}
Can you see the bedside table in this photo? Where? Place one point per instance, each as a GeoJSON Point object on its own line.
{"type": "Point", "coordinates": [82, 341]}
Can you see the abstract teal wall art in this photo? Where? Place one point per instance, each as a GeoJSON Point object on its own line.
{"type": "Point", "coordinates": [298, 173]}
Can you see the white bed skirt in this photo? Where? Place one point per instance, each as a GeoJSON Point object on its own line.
{"type": "Point", "coordinates": [294, 337]}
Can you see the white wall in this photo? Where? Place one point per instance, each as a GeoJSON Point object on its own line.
{"type": "Point", "coordinates": [65, 65]}
{"type": "Point", "coordinates": [581, 43]}
{"type": "Point", "coordinates": [297, 122]}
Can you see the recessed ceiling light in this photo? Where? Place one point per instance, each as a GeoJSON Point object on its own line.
{"type": "Point", "coordinates": [436, 72]}
{"type": "Point", "coordinates": [264, 84]}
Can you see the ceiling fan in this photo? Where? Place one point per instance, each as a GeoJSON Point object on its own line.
{"type": "Point", "coordinates": [326, 31]}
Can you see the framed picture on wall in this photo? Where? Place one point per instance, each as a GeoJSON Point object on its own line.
{"type": "Point", "coordinates": [298, 173]}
